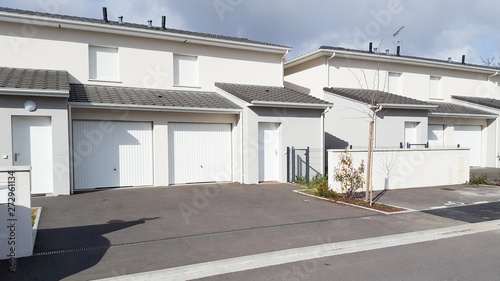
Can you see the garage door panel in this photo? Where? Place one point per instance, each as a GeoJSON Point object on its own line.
{"type": "Point", "coordinates": [470, 137]}
{"type": "Point", "coordinates": [112, 154]}
{"type": "Point", "coordinates": [199, 153]}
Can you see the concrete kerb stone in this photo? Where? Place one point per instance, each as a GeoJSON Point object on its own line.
{"type": "Point", "coordinates": [35, 225]}
{"type": "Point", "coordinates": [358, 206]}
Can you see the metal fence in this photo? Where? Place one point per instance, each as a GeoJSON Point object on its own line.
{"type": "Point", "coordinates": [298, 165]}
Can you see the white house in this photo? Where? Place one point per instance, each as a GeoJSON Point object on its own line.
{"type": "Point", "coordinates": [418, 100]}
{"type": "Point", "coordinates": [92, 103]}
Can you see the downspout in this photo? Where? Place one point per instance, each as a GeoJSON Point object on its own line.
{"type": "Point", "coordinates": [493, 75]}
{"type": "Point", "coordinates": [70, 138]}
{"type": "Point", "coordinates": [283, 66]}
{"type": "Point", "coordinates": [323, 136]}
{"type": "Point", "coordinates": [241, 148]}
{"type": "Point", "coordinates": [328, 69]}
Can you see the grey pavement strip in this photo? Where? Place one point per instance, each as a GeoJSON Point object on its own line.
{"type": "Point", "coordinates": [213, 268]}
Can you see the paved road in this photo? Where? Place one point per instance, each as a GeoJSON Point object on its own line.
{"type": "Point", "coordinates": [118, 232]}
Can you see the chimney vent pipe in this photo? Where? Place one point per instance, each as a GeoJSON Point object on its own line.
{"type": "Point", "coordinates": [463, 59]}
{"type": "Point", "coordinates": [370, 47]}
{"type": "Point", "coordinates": [120, 18]}
{"type": "Point", "coordinates": [105, 14]}
{"type": "Point", "coordinates": [398, 51]}
{"type": "Point", "coordinates": [163, 22]}
{"type": "Point", "coordinates": [150, 23]}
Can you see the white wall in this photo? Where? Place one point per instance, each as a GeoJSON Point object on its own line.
{"type": "Point", "coordinates": [405, 168]}
{"type": "Point", "coordinates": [143, 62]}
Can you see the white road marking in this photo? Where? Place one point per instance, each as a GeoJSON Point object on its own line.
{"type": "Point", "coordinates": [244, 263]}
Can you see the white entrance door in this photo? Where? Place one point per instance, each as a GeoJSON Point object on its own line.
{"type": "Point", "coordinates": [32, 146]}
{"type": "Point", "coordinates": [268, 152]}
{"type": "Point", "coordinates": [112, 154]}
{"type": "Point", "coordinates": [435, 136]}
{"type": "Point", "coordinates": [199, 153]}
{"type": "Point", "coordinates": [470, 137]}
{"type": "Point", "coordinates": [410, 133]}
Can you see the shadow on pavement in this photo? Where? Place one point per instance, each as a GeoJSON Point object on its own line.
{"type": "Point", "coordinates": [469, 213]}
{"type": "Point", "coordinates": [71, 256]}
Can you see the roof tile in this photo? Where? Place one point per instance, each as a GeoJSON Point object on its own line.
{"type": "Point", "coordinates": [148, 97]}
{"type": "Point", "coordinates": [251, 93]}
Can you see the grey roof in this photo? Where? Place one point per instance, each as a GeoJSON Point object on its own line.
{"type": "Point", "coordinates": [33, 79]}
{"type": "Point", "coordinates": [274, 94]}
{"type": "Point", "coordinates": [375, 97]}
{"type": "Point", "coordinates": [493, 103]}
{"type": "Point", "coordinates": [402, 56]}
{"type": "Point", "coordinates": [451, 108]}
{"type": "Point", "coordinates": [140, 26]}
{"type": "Point", "coordinates": [148, 97]}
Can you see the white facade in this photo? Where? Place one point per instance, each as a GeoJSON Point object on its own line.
{"type": "Point", "coordinates": [108, 145]}
{"type": "Point", "coordinates": [421, 79]}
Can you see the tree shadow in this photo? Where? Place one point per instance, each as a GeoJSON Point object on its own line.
{"type": "Point", "coordinates": [63, 252]}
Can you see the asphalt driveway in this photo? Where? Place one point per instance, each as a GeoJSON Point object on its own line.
{"type": "Point", "coordinates": [121, 231]}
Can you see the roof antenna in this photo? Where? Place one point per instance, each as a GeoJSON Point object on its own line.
{"type": "Point", "coordinates": [398, 42]}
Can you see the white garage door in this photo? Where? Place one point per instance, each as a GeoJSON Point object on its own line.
{"type": "Point", "coordinates": [199, 153]}
{"type": "Point", "coordinates": [112, 154]}
{"type": "Point", "coordinates": [470, 137]}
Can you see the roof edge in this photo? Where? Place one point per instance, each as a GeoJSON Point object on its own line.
{"type": "Point", "coordinates": [358, 54]}
{"type": "Point", "coordinates": [155, 108]}
{"type": "Point", "coordinates": [290, 104]}
{"type": "Point", "coordinates": [34, 92]}
{"type": "Point", "coordinates": [131, 31]}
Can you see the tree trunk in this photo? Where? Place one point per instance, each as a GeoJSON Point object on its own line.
{"type": "Point", "coordinates": [370, 162]}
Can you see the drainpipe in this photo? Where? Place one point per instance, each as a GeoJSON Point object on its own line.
{"type": "Point", "coordinates": [241, 149]}
{"type": "Point", "coordinates": [70, 138]}
{"type": "Point", "coordinates": [323, 135]}
{"type": "Point", "coordinates": [493, 75]}
{"type": "Point", "coordinates": [283, 66]}
{"type": "Point", "coordinates": [328, 69]}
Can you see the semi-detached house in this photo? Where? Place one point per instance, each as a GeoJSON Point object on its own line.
{"type": "Point", "coordinates": [91, 103]}
{"type": "Point", "coordinates": [419, 102]}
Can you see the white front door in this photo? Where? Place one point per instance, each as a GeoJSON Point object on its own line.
{"type": "Point", "coordinates": [435, 136]}
{"type": "Point", "coordinates": [32, 146]}
{"type": "Point", "coordinates": [268, 152]}
{"type": "Point", "coordinates": [470, 137]}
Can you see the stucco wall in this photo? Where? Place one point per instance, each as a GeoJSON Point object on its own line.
{"type": "Point", "coordinates": [405, 168]}
{"type": "Point", "coordinates": [143, 62]}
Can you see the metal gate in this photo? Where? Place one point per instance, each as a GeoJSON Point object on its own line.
{"type": "Point", "coordinates": [297, 162]}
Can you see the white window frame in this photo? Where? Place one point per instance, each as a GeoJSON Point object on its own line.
{"type": "Point", "coordinates": [391, 78]}
{"type": "Point", "coordinates": [186, 71]}
{"type": "Point", "coordinates": [435, 88]}
{"type": "Point", "coordinates": [104, 64]}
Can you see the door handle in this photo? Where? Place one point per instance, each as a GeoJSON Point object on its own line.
{"type": "Point", "coordinates": [15, 156]}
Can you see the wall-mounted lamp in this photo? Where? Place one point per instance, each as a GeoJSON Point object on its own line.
{"type": "Point", "coordinates": [30, 105]}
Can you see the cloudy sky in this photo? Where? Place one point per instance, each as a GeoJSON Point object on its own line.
{"type": "Point", "coordinates": [432, 28]}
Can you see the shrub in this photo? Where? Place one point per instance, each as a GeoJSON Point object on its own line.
{"type": "Point", "coordinates": [350, 178]}
{"type": "Point", "coordinates": [321, 183]}
{"type": "Point", "coordinates": [482, 179]}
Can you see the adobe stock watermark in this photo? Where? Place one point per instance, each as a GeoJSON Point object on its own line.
{"type": "Point", "coordinates": [155, 77]}
{"type": "Point", "coordinates": [223, 6]}
{"type": "Point", "coordinates": [380, 20]}
{"type": "Point", "coordinates": [200, 202]}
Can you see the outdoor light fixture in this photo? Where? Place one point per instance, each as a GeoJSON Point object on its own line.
{"type": "Point", "coordinates": [30, 105]}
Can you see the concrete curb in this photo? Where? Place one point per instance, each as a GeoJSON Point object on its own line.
{"type": "Point", "coordinates": [35, 225]}
{"type": "Point", "coordinates": [357, 206]}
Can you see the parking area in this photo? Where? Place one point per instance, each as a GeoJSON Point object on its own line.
{"type": "Point", "coordinates": [435, 197]}
{"type": "Point", "coordinates": [114, 232]}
